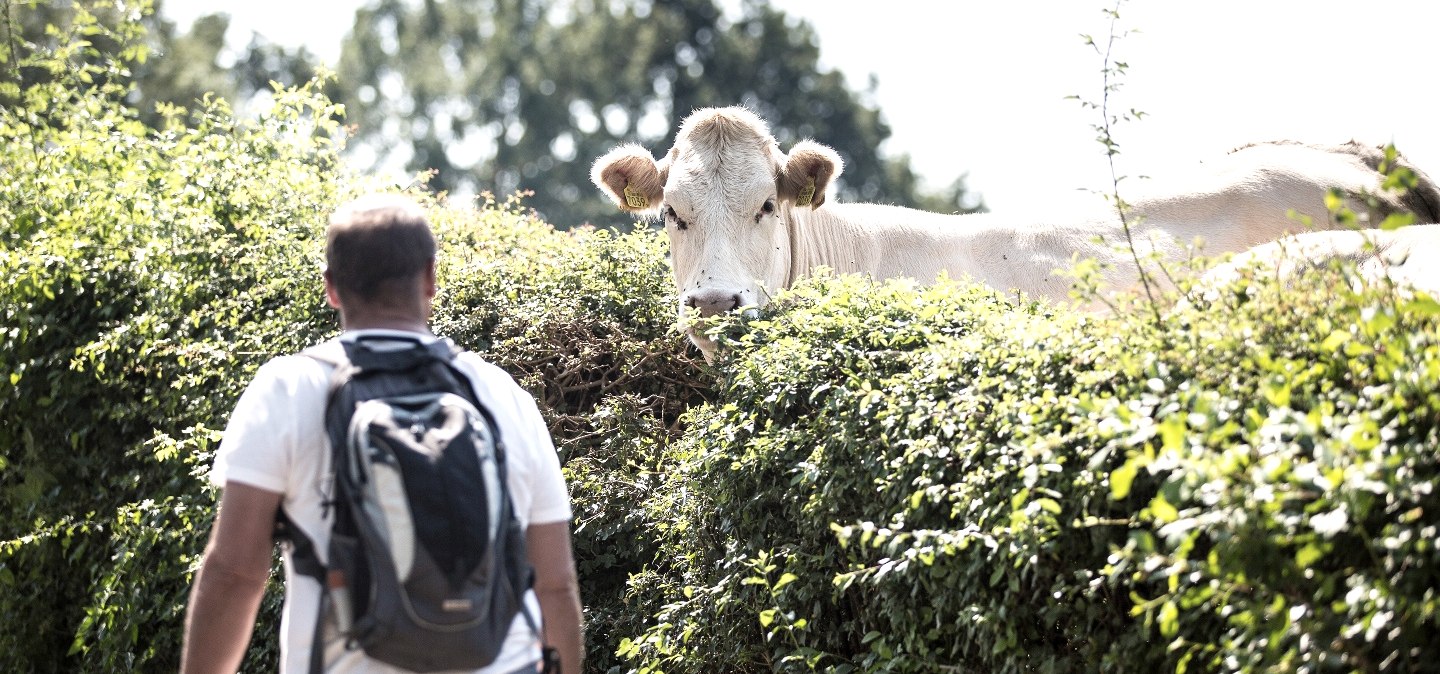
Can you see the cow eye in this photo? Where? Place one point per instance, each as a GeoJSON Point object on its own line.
{"type": "Point", "coordinates": [765, 210]}
{"type": "Point", "coordinates": [670, 214]}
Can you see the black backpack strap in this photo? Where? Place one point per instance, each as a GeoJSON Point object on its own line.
{"type": "Point", "coordinates": [549, 657]}
{"type": "Point", "coordinates": [332, 353]}
{"type": "Point", "coordinates": [307, 563]}
{"type": "Point", "coordinates": [302, 549]}
{"type": "Point", "coordinates": [381, 353]}
{"type": "Point", "coordinates": [304, 555]}
{"type": "Point", "coordinates": [317, 642]}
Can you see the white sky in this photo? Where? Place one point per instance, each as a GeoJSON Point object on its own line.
{"type": "Point", "coordinates": [979, 86]}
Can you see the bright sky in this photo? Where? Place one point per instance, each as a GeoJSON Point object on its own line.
{"type": "Point", "coordinates": [979, 86]}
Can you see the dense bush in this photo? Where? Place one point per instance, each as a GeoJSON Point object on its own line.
{"type": "Point", "coordinates": [147, 274]}
{"type": "Point", "coordinates": [934, 479]}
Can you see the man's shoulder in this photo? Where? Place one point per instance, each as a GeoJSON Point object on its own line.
{"type": "Point", "coordinates": [293, 369]}
{"type": "Point", "coordinates": [481, 366]}
{"type": "Point", "coordinates": [492, 381]}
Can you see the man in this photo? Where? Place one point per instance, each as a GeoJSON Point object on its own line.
{"type": "Point", "coordinates": [380, 275]}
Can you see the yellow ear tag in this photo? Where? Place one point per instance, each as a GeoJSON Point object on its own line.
{"type": "Point", "coordinates": [807, 194]}
{"type": "Point", "coordinates": [635, 199]}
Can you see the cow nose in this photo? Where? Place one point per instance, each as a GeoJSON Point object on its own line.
{"type": "Point", "coordinates": [712, 302]}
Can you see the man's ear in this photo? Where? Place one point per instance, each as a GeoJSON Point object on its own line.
{"type": "Point", "coordinates": [808, 171]}
{"type": "Point", "coordinates": [631, 178]}
{"type": "Point", "coordinates": [428, 282]}
{"type": "Point", "coordinates": [332, 295]}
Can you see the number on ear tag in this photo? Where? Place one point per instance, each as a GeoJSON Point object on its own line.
{"type": "Point", "coordinates": [807, 194]}
{"type": "Point", "coordinates": [635, 199]}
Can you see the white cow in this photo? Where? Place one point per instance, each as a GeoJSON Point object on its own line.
{"type": "Point", "coordinates": [1409, 257]}
{"type": "Point", "coordinates": [746, 219]}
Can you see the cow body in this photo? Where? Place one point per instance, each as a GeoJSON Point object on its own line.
{"type": "Point", "coordinates": [1408, 257]}
{"type": "Point", "coordinates": [893, 242]}
{"type": "Point", "coordinates": [746, 219]}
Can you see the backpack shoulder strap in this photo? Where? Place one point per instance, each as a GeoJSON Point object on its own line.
{"type": "Point", "coordinates": [307, 563]}
{"type": "Point", "coordinates": [306, 558]}
{"type": "Point", "coordinates": [333, 354]}
{"type": "Point", "coordinates": [330, 353]}
{"type": "Point", "coordinates": [302, 549]}
{"type": "Point", "coordinates": [462, 374]}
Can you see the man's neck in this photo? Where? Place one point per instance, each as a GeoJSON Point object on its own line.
{"type": "Point", "coordinates": [381, 321]}
{"type": "Point", "coordinates": [398, 326]}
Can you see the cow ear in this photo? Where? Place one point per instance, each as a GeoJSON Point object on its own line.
{"type": "Point", "coordinates": [807, 173]}
{"type": "Point", "coordinates": [630, 177]}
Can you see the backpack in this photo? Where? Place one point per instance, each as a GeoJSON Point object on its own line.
{"type": "Point", "coordinates": [426, 563]}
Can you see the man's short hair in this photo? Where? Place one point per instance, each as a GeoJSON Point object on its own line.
{"type": "Point", "coordinates": [376, 247]}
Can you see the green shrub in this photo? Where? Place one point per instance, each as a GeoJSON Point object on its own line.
{"type": "Point", "coordinates": [932, 479]}
{"type": "Point", "coordinates": [1294, 516]}
{"type": "Point", "coordinates": [149, 272]}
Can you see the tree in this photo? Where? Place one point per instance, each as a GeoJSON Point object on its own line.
{"type": "Point", "coordinates": [186, 66]}
{"type": "Point", "coordinates": [84, 41]}
{"type": "Point", "coordinates": [161, 64]}
{"type": "Point", "coordinates": [506, 95]}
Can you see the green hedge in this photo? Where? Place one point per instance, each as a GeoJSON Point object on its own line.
{"type": "Point", "coordinates": [148, 273]}
{"type": "Point", "coordinates": [874, 477]}
{"type": "Point", "coordinates": [908, 479]}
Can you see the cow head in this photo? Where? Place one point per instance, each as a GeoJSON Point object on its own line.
{"type": "Point", "coordinates": [726, 193]}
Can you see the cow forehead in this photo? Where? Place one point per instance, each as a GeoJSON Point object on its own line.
{"type": "Point", "coordinates": [722, 155]}
{"type": "Point", "coordinates": [729, 177]}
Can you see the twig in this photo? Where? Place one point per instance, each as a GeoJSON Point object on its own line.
{"type": "Point", "coordinates": [1108, 140]}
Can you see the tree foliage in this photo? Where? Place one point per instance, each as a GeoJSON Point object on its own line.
{"type": "Point", "coordinates": [506, 95]}
{"type": "Point", "coordinates": [159, 64]}
{"type": "Point", "coordinates": [188, 65]}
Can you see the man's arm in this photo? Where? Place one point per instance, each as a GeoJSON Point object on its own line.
{"type": "Point", "coordinates": [548, 546]}
{"type": "Point", "coordinates": [230, 582]}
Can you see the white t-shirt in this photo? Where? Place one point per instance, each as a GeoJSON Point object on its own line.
{"type": "Point", "coordinates": [276, 441]}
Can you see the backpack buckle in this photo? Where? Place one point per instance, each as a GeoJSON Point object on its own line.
{"type": "Point", "coordinates": [549, 660]}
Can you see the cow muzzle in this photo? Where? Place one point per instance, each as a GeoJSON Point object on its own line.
{"type": "Point", "coordinates": [712, 302]}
